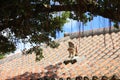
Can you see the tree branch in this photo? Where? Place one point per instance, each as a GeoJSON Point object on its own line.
{"type": "Point", "coordinates": [96, 10]}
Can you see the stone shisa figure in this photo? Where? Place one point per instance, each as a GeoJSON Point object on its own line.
{"type": "Point", "coordinates": [72, 50]}
{"type": "Point", "coordinates": [72, 53]}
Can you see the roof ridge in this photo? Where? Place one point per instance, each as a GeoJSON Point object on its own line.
{"type": "Point", "coordinates": [10, 58]}
{"type": "Point", "coordinates": [92, 32]}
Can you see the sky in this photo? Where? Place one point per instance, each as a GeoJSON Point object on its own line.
{"type": "Point", "coordinates": [73, 26]}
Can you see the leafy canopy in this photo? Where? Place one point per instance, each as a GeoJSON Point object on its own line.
{"type": "Point", "coordinates": [36, 21]}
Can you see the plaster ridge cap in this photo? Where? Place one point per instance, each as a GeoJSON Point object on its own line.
{"type": "Point", "coordinates": [10, 58]}
{"type": "Point", "coordinates": [92, 32]}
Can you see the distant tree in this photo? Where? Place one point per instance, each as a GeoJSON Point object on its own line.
{"type": "Point", "coordinates": [36, 21]}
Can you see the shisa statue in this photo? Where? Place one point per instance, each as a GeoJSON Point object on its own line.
{"type": "Point", "coordinates": [72, 50]}
{"type": "Point", "coordinates": [72, 53]}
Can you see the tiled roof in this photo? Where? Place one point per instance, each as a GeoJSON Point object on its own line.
{"type": "Point", "coordinates": [99, 55]}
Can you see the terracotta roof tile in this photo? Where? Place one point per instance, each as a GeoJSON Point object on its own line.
{"type": "Point", "coordinates": [99, 59]}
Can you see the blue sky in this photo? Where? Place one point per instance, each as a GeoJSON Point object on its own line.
{"type": "Point", "coordinates": [73, 26]}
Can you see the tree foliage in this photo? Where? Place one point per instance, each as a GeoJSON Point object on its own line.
{"type": "Point", "coordinates": [36, 21]}
{"type": "Point", "coordinates": [53, 44]}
